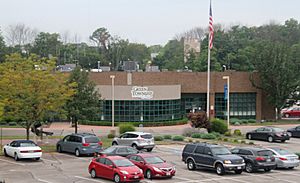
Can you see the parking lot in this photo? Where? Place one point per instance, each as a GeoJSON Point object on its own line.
{"type": "Point", "coordinates": [58, 168]}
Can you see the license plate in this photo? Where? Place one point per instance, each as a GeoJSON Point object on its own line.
{"type": "Point", "coordinates": [239, 167]}
{"type": "Point", "coordinates": [136, 177]}
{"type": "Point", "coordinates": [268, 160]}
{"type": "Point", "coordinates": [168, 173]}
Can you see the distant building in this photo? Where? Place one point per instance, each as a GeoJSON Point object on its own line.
{"type": "Point", "coordinates": [154, 55]}
{"type": "Point", "coordinates": [66, 67]}
{"type": "Point", "coordinates": [152, 68]}
{"type": "Point", "coordinates": [191, 44]}
{"type": "Point", "coordinates": [130, 66]}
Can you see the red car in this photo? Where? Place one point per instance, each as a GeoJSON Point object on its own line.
{"type": "Point", "coordinates": [116, 168]}
{"type": "Point", "coordinates": [152, 165]}
{"type": "Point", "coordinates": [292, 112]}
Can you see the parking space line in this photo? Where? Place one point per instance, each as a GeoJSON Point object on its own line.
{"type": "Point", "coordinates": [44, 159]}
{"type": "Point", "coordinates": [70, 156]}
{"type": "Point", "coordinates": [12, 162]}
{"type": "Point", "coordinates": [41, 180]}
{"type": "Point", "coordinates": [89, 179]}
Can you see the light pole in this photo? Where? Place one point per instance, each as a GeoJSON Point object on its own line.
{"type": "Point", "coordinates": [112, 100]}
{"type": "Point", "coordinates": [228, 104]}
{"type": "Point", "coordinates": [98, 66]}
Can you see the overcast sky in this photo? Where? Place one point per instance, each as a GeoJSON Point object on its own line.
{"type": "Point", "coordinates": [144, 21]}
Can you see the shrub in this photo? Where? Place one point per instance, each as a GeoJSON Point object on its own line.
{"type": "Point", "coordinates": [187, 132]}
{"type": "Point", "coordinates": [216, 134]}
{"type": "Point", "coordinates": [298, 154]}
{"type": "Point", "coordinates": [219, 126]}
{"type": "Point", "coordinates": [199, 120]}
{"type": "Point", "coordinates": [220, 139]}
{"type": "Point", "coordinates": [251, 143]}
{"type": "Point", "coordinates": [167, 136]}
{"type": "Point", "coordinates": [208, 136]}
{"type": "Point", "coordinates": [251, 120]}
{"type": "Point", "coordinates": [225, 139]}
{"type": "Point", "coordinates": [110, 136]}
{"type": "Point", "coordinates": [237, 124]}
{"type": "Point", "coordinates": [158, 138]}
{"type": "Point", "coordinates": [243, 142]}
{"type": "Point", "coordinates": [3, 123]}
{"type": "Point", "coordinates": [234, 120]}
{"type": "Point", "coordinates": [228, 133]}
{"type": "Point", "coordinates": [12, 124]}
{"type": "Point", "coordinates": [244, 121]}
{"type": "Point", "coordinates": [178, 138]}
{"type": "Point", "coordinates": [197, 135]}
{"type": "Point", "coordinates": [236, 141]}
{"type": "Point", "coordinates": [191, 140]}
{"type": "Point", "coordinates": [237, 132]}
{"type": "Point", "coordinates": [126, 128]}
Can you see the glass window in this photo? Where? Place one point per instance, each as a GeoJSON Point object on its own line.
{"type": "Point", "coordinates": [220, 151]}
{"type": "Point", "coordinates": [264, 153]}
{"type": "Point", "coordinates": [139, 159]}
{"type": "Point", "coordinates": [108, 162]}
{"type": "Point", "coordinates": [245, 152]}
{"type": "Point", "coordinates": [154, 160]}
{"type": "Point", "coordinates": [199, 150]}
{"type": "Point", "coordinates": [189, 148]}
{"type": "Point", "coordinates": [92, 139]}
{"type": "Point", "coordinates": [207, 150]}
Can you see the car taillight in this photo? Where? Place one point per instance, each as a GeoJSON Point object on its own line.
{"type": "Point", "coordinates": [282, 158]}
{"type": "Point", "coordinates": [100, 143]}
{"type": "Point", "coordinates": [85, 144]}
{"type": "Point", "coordinates": [24, 151]}
{"type": "Point", "coordinates": [37, 151]}
{"type": "Point", "coordinates": [259, 158]}
{"type": "Point", "coordinates": [140, 139]}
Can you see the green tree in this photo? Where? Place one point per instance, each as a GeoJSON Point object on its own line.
{"type": "Point", "coordinates": [85, 103]}
{"type": "Point", "coordinates": [2, 48]}
{"type": "Point", "coordinates": [30, 90]}
{"type": "Point", "coordinates": [46, 44]}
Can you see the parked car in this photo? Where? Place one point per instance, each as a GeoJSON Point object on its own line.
{"type": "Point", "coordinates": [212, 156]}
{"type": "Point", "coordinates": [284, 158]}
{"type": "Point", "coordinates": [291, 112]}
{"type": "Point", "coordinates": [116, 168]}
{"type": "Point", "coordinates": [269, 134]}
{"type": "Point", "coordinates": [80, 144]}
{"type": "Point", "coordinates": [119, 151]}
{"type": "Point", "coordinates": [295, 132]}
{"type": "Point", "coordinates": [256, 158]}
{"type": "Point", "coordinates": [152, 165]}
{"type": "Point", "coordinates": [138, 140]}
{"type": "Point", "coordinates": [22, 149]}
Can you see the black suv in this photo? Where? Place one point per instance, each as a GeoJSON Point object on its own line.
{"type": "Point", "coordinates": [212, 156]}
{"type": "Point", "coordinates": [256, 158]}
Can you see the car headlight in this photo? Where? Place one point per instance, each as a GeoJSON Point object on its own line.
{"type": "Point", "coordinates": [227, 161]}
{"type": "Point", "coordinates": [124, 172]}
{"type": "Point", "coordinates": [243, 161]}
{"type": "Point", "coordinates": [141, 170]}
{"type": "Point", "coordinates": [174, 168]}
{"type": "Point", "coordinates": [157, 169]}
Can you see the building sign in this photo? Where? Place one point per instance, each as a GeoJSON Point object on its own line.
{"type": "Point", "coordinates": [225, 91]}
{"type": "Point", "coordinates": [141, 92]}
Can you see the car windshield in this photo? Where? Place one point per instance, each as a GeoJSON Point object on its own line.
{"type": "Point", "coordinates": [131, 150]}
{"type": "Point", "coordinates": [27, 144]}
{"type": "Point", "coordinates": [122, 163]}
{"type": "Point", "coordinates": [153, 160]}
{"type": "Point", "coordinates": [220, 151]}
{"type": "Point", "coordinates": [109, 150]}
{"type": "Point", "coordinates": [264, 153]}
{"type": "Point", "coordinates": [147, 136]}
{"type": "Point", "coordinates": [278, 130]}
{"type": "Point", "coordinates": [92, 140]}
{"type": "Point", "coordinates": [281, 151]}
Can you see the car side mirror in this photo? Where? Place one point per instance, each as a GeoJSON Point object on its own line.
{"type": "Point", "coordinates": [142, 162]}
{"type": "Point", "coordinates": [111, 166]}
{"type": "Point", "coordinates": [209, 153]}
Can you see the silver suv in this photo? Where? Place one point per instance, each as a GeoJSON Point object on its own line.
{"type": "Point", "coordinates": [80, 144]}
{"type": "Point", "coordinates": [138, 140]}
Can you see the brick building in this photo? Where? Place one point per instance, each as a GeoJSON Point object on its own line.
{"type": "Point", "coordinates": [166, 96]}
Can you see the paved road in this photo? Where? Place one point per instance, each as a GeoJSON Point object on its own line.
{"type": "Point", "coordinates": [58, 168]}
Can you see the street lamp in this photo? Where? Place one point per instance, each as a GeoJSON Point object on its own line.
{"type": "Point", "coordinates": [227, 78]}
{"type": "Point", "coordinates": [112, 100]}
{"type": "Point", "coordinates": [98, 66]}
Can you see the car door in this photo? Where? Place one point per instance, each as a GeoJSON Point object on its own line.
{"type": "Point", "coordinates": [246, 154]}
{"type": "Point", "coordinates": [122, 139]}
{"type": "Point", "coordinates": [99, 166]}
{"type": "Point", "coordinates": [109, 169]}
{"type": "Point", "coordinates": [75, 143]}
{"type": "Point", "coordinates": [207, 157]}
{"type": "Point", "coordinates": [297, 112]}
{"type": "Point", "coordinates": [297, 131]}
{"type": "Point", "coordinates": [266, 133]}
{"type": "Point", "coordinates": [257, 134]}
{"type": "Point", "coordinates": [9, 149]}
{"type": "Point", "coordinates": [198, 155]}
{"type": "Point", "coordinates": [140, 162]}
{"type": "Point", "coordinates": [65, 144]}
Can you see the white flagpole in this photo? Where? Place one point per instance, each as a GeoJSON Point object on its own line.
{"type": "Point", "coordinates": [208, 78]}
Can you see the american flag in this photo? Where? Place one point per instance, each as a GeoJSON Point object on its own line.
{"type": "Point", "coordinates": [211, 28]}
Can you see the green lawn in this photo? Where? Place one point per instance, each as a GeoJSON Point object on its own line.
{"type": "Point", "coordinates": [279, 122]}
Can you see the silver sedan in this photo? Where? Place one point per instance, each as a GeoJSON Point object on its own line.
{"type": "Point", "coordinates": [284, 158]}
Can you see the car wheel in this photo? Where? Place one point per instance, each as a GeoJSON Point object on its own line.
{"type": "Point", "coordinates": [191, 165]}
{"type": "Point", "coordinates": [59, 149]}
{"type": "Point", "coordinates": [268, 169]}
{"type": "Point", "coordinates": [270, 139]}
{"type": "Point", "coordinates": [114, 143]}
{"type": "Point", "coordinates": [286, 115]}
{"type": "Point", "coordinates": [117, 178]}
{"type": "Point", "coordinates": [249, 167]}
{"type": "Point", "coordinates": [149, 150]}
{"type": "Point", "coordinates": [16, 157]}
{"type": "Point", "coordinates": [220, 169]}
{"type": "Point", "coordinates": [238, 171]}
{"type": "Point", "coordinates": [93, 173]}
{"type": "Point", "coordinates": [134, 146]}
{"type": "Point", "coordinates": [282, 140]}
{"type": "Point", "coordinates": [77, 152]}
{"type": "Point", "coordinates": [5, 153]}
{"type": "Point", "coordinates": [249, 136]}
{"type": "Point", "coordinates": [37, 159]}
{"type": "Point", "coordinates": [291, 168]}
{"type": "Point", "coordinates": [148, 174]}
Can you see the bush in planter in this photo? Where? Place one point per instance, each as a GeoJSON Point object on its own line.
{"type": "Point", "coordinates": [218, 135]}
{"type": "Point", "coordinates": [178, 138]}
{"type": "Point", "coordinates": [219, 126]}
{"type": "Point", "coordinates": [208, 136]}
{"type": "Point", "coordinates": [126, 128]}
{"type": "Point", "coordinates": [110, 136]}
{"type": "Point", "coordinates": [237, 132]}
{"type": "Point", "coordinates": [225, 139]}
{"type": "Point", "coordinates": [12, 124]}
{"type": "Point", "coordinates": [197, 135]}
{"type": "Point", "coordinates": [228, 133]}
{"type": "Point", "coordinates": [234, 120]}
{"type": "Point", "coordinates": [168, 137]}
{"type": "Point", "coordinates": [237, 124]}
{"type": "Point", "coordinates": [251, 120]}
{"type": "Point", "coordinates": [158, 138]}
{"type": "Point", "coordinates": [187, 132]}
{"type": "Point", "coordinates": [244, 121]}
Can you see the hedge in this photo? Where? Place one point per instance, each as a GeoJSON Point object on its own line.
{"type": "Point", "coordinates": [204, 136]}
{"type": "Point", "coordinates": [219, 126]}
{"type": "Point", "coordinates": [178, 138]}
{"type": "Point", "coordinates": [158, 138]}
{"type": "Point", "coordinates": [136, 124]}
{"type": "Point", "coordinates": [167, 136]}
{"type": "Point", "coordinates": [126, 127]}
